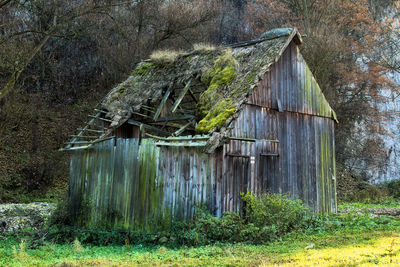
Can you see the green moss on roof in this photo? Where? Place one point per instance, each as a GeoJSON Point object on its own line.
{"type": "Point", "coordinates": [216, 117]}
{"type": "Point", "coordinates": [143, 68]}
{"type": "Point", "coordinates": [218, 78]}
{"type": "Point", "coordinates": [228, 75]}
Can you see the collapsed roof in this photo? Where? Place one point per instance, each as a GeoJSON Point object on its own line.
{"type": "Point", "coordinates": [191, 93]}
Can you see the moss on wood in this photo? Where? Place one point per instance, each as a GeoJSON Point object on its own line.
{"type": "Point", "coordinates": [214, 107]}
{"type": "Point", "coordinates": [143, 68]}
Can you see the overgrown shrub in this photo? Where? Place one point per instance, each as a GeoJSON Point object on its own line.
{"type": "Point", "coordinates": [393, 187]}
{"type": "Point", "coordinates": [272, 215]}
{"type": "Point", "coordinates": [352, 189]}
{"type": "Point", "coordinates": [206, 229]}
{"type": "Point", "coordinates": [265, 218]}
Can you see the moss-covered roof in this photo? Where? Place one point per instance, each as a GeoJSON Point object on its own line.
{"type": "Point", "coordinates": [228, 76]}
{"type": "Point", "coordinates": [219, 81]}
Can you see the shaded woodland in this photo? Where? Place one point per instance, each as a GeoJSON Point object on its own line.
{"type": "Point", "coordinates": [59, 58]}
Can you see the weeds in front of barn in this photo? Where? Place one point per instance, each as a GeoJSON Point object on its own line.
{"type": "Point", "coordinates": [274, 230]}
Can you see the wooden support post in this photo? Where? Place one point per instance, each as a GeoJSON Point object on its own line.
{"type": "Point", "coordinates": [163, 101]}
{"type": "Point", "coordinates": [181, 96]}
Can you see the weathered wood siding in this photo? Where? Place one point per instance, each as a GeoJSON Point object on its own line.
{"type": "Point", "coordinates": [142, 186]}
{"type": "Point", "coordinates": [291, 83]}
{"type": "Point", "coordinates": [303, 125]}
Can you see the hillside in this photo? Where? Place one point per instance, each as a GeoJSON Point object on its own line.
{"type": "Point", "coordinates": [32, 130]}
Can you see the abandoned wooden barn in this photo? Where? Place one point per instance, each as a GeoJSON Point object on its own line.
{"type": "Point", "coordinates": [202, 127]}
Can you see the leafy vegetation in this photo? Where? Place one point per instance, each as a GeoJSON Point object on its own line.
{"type": "Point", "coordinates": [348, 241]}
{"type": "Point", "coordinates": [352, 190]}
{"type": "Point", "coordinates": [265, 219]}
{"type": "Point", "coordinates": [393, 188]}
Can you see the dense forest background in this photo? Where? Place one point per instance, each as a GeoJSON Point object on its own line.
{"type": "Point", "coordinates": [58, 58]}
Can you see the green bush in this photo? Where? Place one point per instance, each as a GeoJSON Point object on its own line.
{"type": "Point", "coordinates": [206, 229]}
{"type": "Point", "coordinates": [272, 215]}
{"type": "Point", "coordinates": [265, 218]}
{"type": "Point", "coordinates": [393, 187]}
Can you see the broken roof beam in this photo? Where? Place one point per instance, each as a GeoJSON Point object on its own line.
{"type": "Point", "coordinates": [74, 148]}
{"type": "Point", "coordinates": [89, 143]}
{"type": "Point", "coordinates": [176, 118]}
{"type": "Point", "coordinates": [166, 124]}
{"type": "Point", "coordinates": [140, 124]}
{"type": "Point", "coordinates": [163, 101]}
{"type": "Point", "coordinates": [181, 96]}
{"type": "Point", "coordinates": [183, 128]}
{"type": "Point", "coordinates": [81, 131]}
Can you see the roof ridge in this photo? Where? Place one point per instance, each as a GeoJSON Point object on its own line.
{"type": "Point", "coordinates": [270, 35]}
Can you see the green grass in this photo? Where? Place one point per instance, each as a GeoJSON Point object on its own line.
{"type": "Point", "coordinates": [290, 248]}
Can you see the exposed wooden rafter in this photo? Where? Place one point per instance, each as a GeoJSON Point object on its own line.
{"type": "Point", "coordinates": [140, 124]}
{"type": "Point", "coordinates": [163, 101]}
{"type": "Point", "coordinates": [183, 128]}
{"type": "Point", "coordinates": [181, 96]}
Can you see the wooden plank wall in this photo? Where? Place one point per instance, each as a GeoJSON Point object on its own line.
{"type": "Point", "coordinates": [115, 178]}
{"type": "Point", "coordinates": [144, 186]}
{"type": "Point", "coordinates": [292, 83]}
{"type": "Point", "coordinates": [305, 167]}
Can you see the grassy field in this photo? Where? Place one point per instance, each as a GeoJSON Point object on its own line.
{"type": "Point", "coordinates": [351, 247]}
{"type": "Point", "coordinates": [350, 239]}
